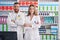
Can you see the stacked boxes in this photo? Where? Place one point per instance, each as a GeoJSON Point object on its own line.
{"type": "Point", "coordinates": [48, 20]}
{"type": "Point", "coordinates": [48, 8]}
{"type": "Point", "coordinates": [42, 30]}
{"type": "Point", "coordinates": [54, 29]}
{"type": "Point", "coordinates": [48, 12]}
{"type": "Point", "coordinates": [48, 37]}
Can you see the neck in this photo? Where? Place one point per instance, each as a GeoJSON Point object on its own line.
{"type": "Point", "coordinates": [31, 15]}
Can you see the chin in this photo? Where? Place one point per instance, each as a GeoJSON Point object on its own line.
{"type": "Point", "coordinates": [16, 10]}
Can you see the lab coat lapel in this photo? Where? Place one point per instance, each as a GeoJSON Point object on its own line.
{"type": "Point", "coordinates": [32, 19]}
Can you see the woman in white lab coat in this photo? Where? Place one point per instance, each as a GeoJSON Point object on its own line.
{"type": "Point", "coordinates": [32, 23]}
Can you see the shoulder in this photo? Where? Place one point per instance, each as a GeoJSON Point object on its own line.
{"type": "Point", "coordinates": [27, 16]}
{"type": "Point", "coordinates": [10, 13]}
{"type": "Point", "coordinates": [22, 13]}
{"type": "Point", "coordinates": [37, 17]}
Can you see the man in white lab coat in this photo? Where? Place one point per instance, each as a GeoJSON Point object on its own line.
{"type": "Point", "coordinates": [16, 21]}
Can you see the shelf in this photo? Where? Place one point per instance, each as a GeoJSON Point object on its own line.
{"type": "Point", "coordinates": [47, 16]}
{"type": "Point", "coordinates": [51, 24]}
{"type": "Point", "coordinates": [49, 2]}
{"type": "Point", "coordinates": [6, 10]}
{"type": "Point", "coordinates": [47, 34]}
{"type": "Point", "coordinates": [48, 11]}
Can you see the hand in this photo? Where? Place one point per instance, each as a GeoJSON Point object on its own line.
{"type": "Point", "coordinates": [13, 21]}
{"type": "Point", "coordinates": [27, 25]}
{"type": "Point", "coordinates": [30, 25]}
{"type": "Point", "coordinates": [37, 23]}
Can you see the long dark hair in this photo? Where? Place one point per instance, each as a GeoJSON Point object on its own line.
{"type": "Point", "coordinates": [35, 13]}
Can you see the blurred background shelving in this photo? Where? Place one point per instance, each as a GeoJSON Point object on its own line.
{"type": "Point", "coordinates": [48, 11]}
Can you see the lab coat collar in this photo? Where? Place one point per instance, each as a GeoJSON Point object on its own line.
{"type": "Point", "coordinates": [32, 18]}
{"type": "Point", "coordinates": [15, 13]}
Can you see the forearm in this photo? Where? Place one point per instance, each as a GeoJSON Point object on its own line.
{"type": "Point", "coordinates": [19, 22]}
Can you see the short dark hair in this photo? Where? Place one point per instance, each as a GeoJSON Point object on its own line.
{"type": "Point", "coordinates": [16, 3]}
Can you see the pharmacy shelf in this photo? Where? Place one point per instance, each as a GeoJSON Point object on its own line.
{"type": "Point", "coordinates": [9, 3]}
{"type": "Point", "coordinates": [6, 10]}
{"type": "Point", "coordinates": [48, 2]}
{"type": "Point", "coordinates": [47, 34]}
{"type": "Point", "coordinates": [50, 24]}
{"type": "Point", "coordinates": [47, 16]}
{"type": "Point", "coordinates": [48, 37]}
{"type": "Point", "coordinates": [47, 11]}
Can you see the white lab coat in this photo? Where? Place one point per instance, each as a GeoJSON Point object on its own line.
{"type": "Point", "coordinates": [18, 25]}
{"type": "Point", "coordinates": [32, 33]}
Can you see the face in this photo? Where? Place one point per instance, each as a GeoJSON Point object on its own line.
{"type": "Point", "coordinates": [31, 10]}
{"type": "Point", "coordinates": [16, 7]}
